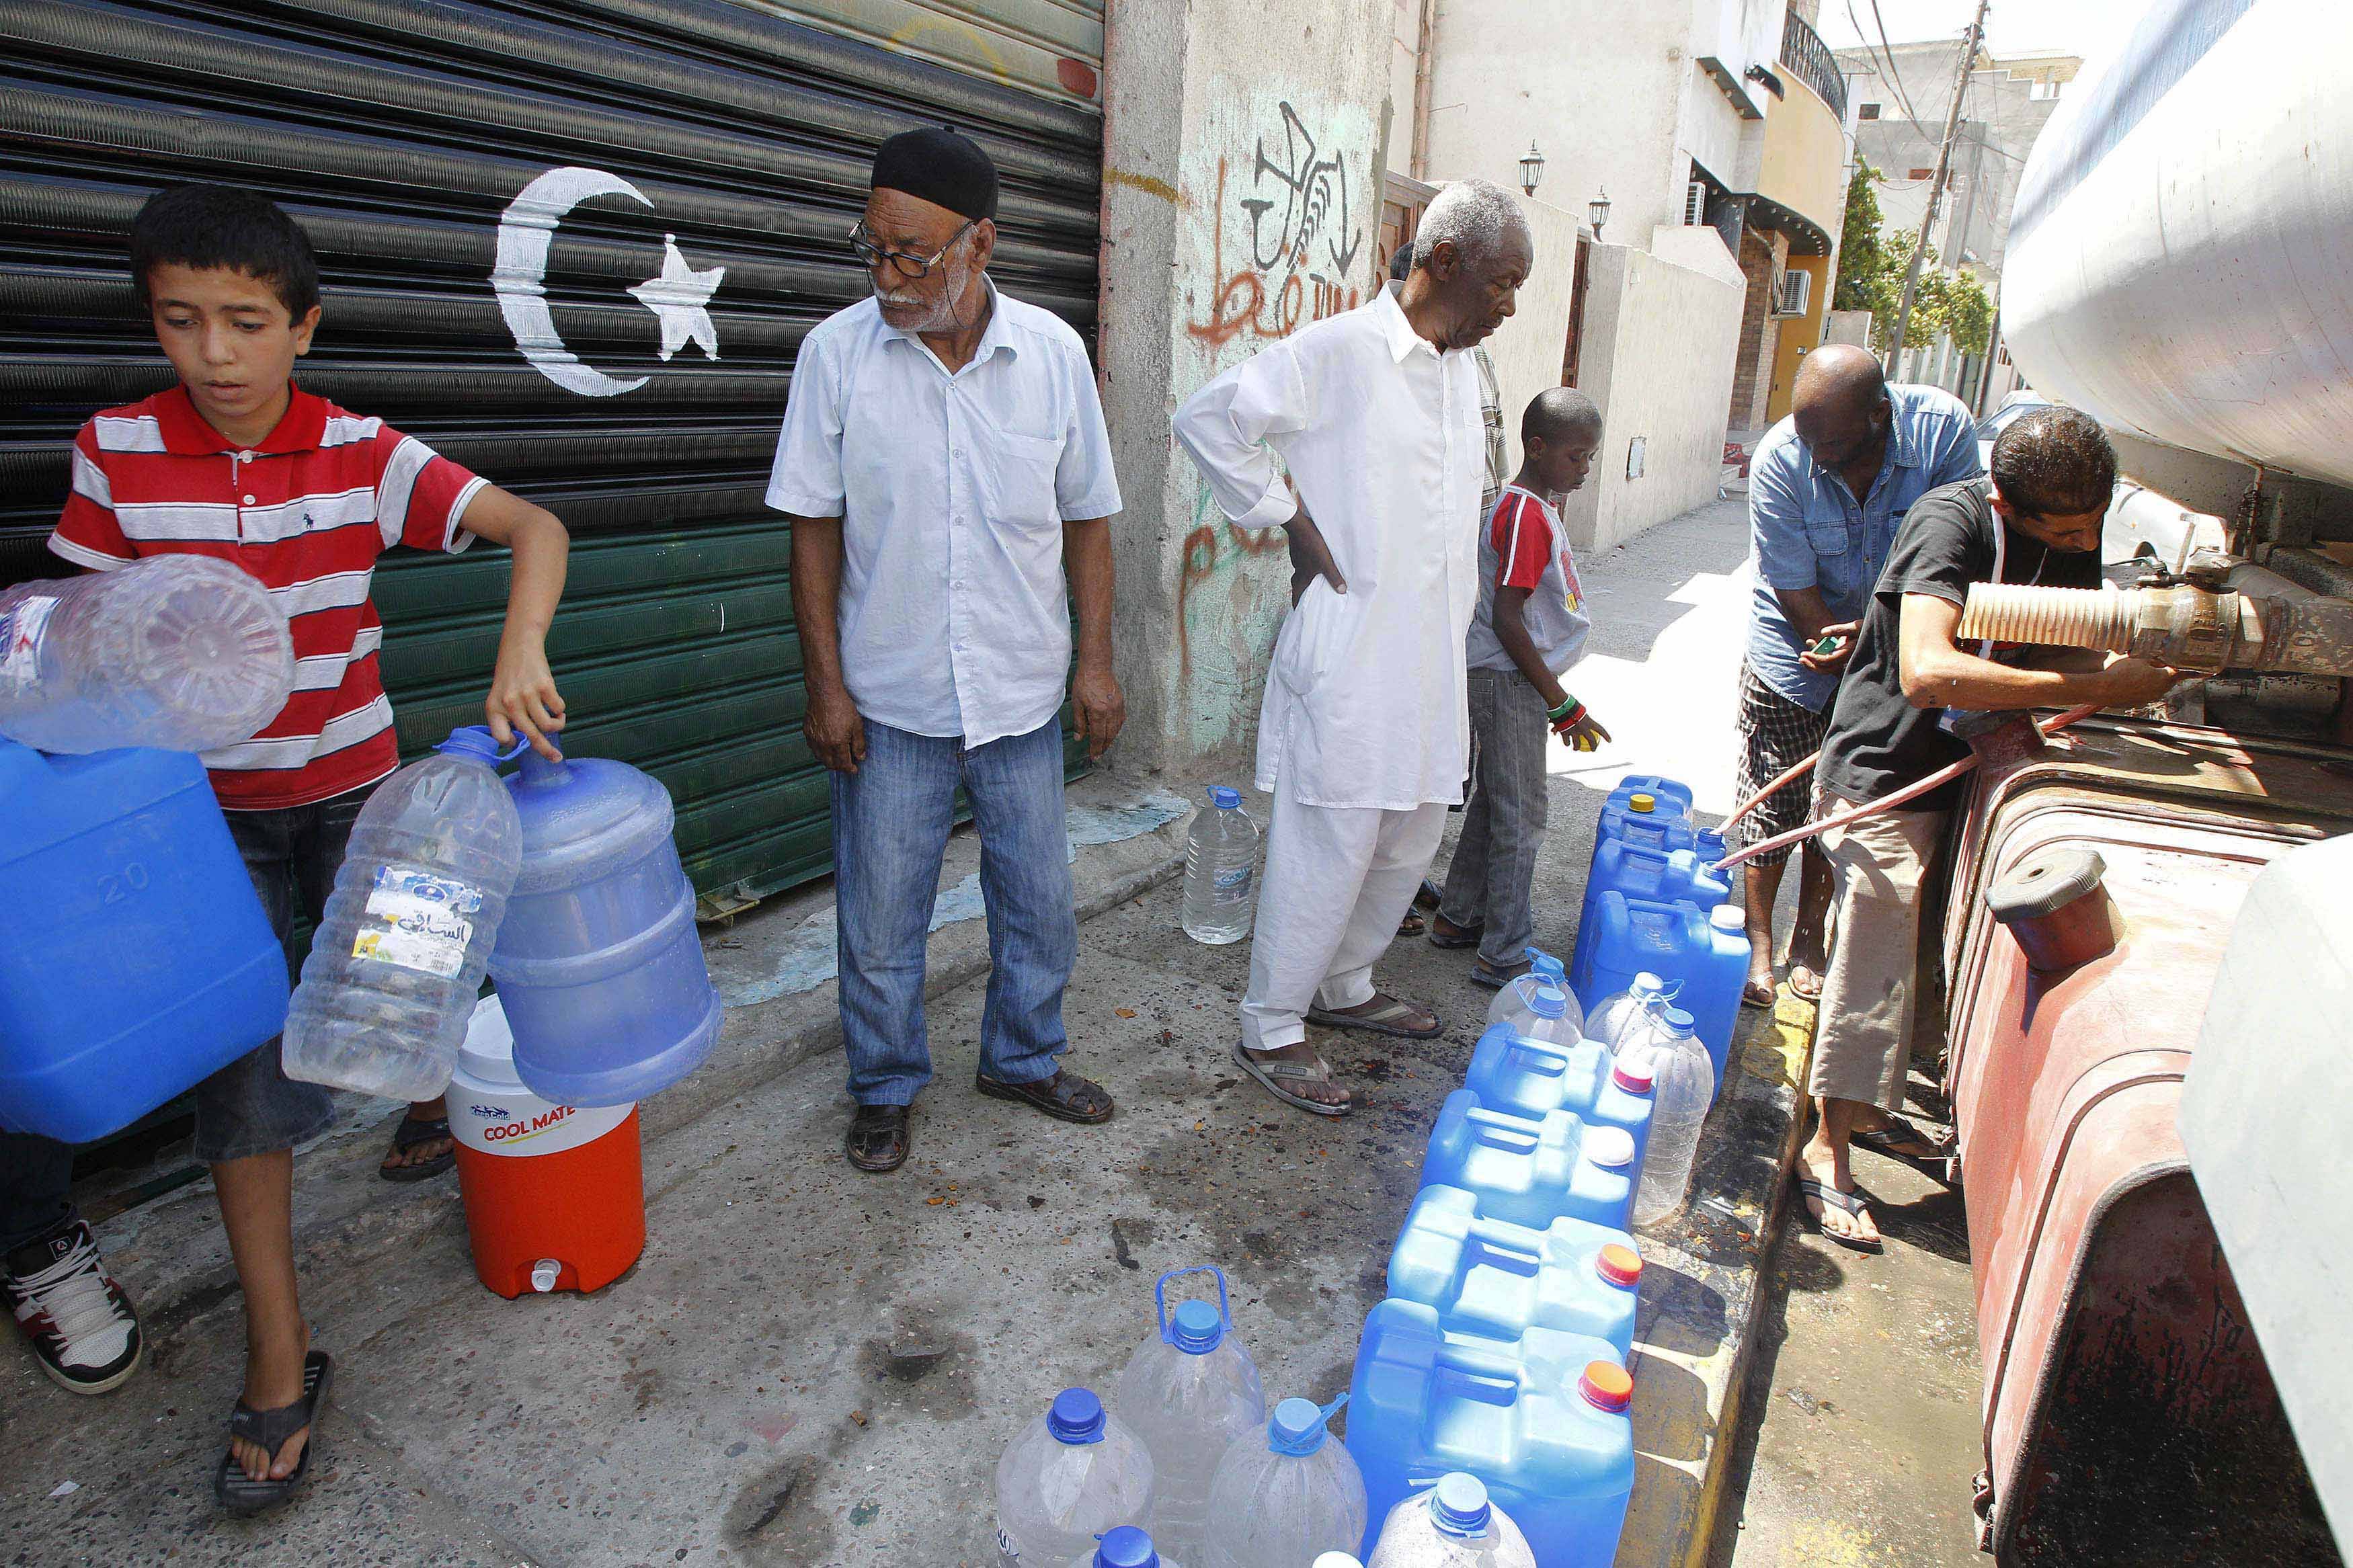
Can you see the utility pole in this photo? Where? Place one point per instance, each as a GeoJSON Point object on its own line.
{"type": "Point", "coordinates": [1936, 185]}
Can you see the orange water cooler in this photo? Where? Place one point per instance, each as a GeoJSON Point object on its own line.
{"type": "Point", "coordinates": [555, 1197]}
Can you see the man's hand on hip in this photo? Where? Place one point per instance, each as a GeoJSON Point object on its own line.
{"type": "Point", "coordinates": [836, 733]}
{"type": "Point", "coordinates": [1311, 557]}
{"type": "Point", "coordinates": [1101, 707]}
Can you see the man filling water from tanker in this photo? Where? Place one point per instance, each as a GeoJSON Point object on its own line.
{"type": "Point", "coordinates": [1363, 732]}
{"type": "Point", "coordinates": [2036, 521]}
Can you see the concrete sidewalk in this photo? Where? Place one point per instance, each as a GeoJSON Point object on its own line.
{"type": "Point", "coordinates": [812, 1368]}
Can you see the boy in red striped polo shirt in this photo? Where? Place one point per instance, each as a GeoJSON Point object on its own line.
{"type": "Point", "coordinates": [237, 463]}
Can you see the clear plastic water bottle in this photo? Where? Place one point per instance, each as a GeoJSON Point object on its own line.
{"type": "Point", "coordinates": [1073, 1474]}
{"type": "Point", "coordinates": [398, 959]}
{"type": "Point", "coordinates": [1220, 870]}
{"type": "Point", "coordinates": [1285, 1493]}
{"type": "Point", "coordinates": [1126, 1547]}
{"type": "Point", "coordinates": [1452, 1525]}
{"type": "Point", "coordinates": [1543, 969]}
{"type": "Point", "coordinates": [1628, 1012]}
{"type": "Point", "coordinates": [1189, 1392]}
{"type": "Point", "coordinates": [182, 653]}
{"type": "Point", "coordinates": [1336, 1560]}
{"type": "Point", "coordinates": [1545, 1011]}
{"type": "Point", "coordinates": [1683, 1086]}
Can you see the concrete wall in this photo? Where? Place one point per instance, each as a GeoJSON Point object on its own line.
{"type": "Point", "coordinates": [1244, 147]}
{"type": "Point", "coordinates": [1847, 327]}
{"type": "Point", "coordinates": [1804, 165]}
{"type": "Point", "coordinates": [1672, 399]}
{"type": "Point", "coordinates": [1762, 252]}
{"type": "Point", "coordinates": [1530, 348]}
{"type": "Point", "coordinates": [1404, 33]}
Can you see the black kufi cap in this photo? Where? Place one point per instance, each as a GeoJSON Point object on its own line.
{"type": "Point", "coordinates": [941, 167]}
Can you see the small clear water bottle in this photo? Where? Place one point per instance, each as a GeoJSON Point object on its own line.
{"type": "Point", "coordinates": [397, 961]}
{"type": "Point", "coordinates": [182, 653]}
{"type": "Point", "coordinates": [1543, 969]}
{"type": "Point", "coordinates": [1126, 1547]}
{"type": "Point", "coordinates": [1629, 1012]}
{"type": "Point", "coordinates": [1284, 1492]}
{"type": "Point", "coordinates": [1544, 1011]}
{"type": "Point", "coordinates": [1220, 870]}
{"type": "Point", "coordinates": [1072, 1474]}
{"type": "Point", "coordinates": [1683, 1078]}
{"type": "Point", "coordinates": [1452, 1525]}
{"type": "Point", "coordinates": [1190, 1391]}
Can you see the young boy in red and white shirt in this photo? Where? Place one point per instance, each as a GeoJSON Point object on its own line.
{"type": "Point", "coordinates": [1530, 627]}
{"type": "Point", "coordinates": [239, 464]}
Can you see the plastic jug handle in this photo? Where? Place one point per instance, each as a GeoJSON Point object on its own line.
{"type": "Point", "coordinates": [1499, 1130]}
{"type": "Point", "coordinates": [1521, 1244]}
{"type": "Point", "coordinates": [1160, 1298]}
{"type": "Point", "coordinates": [1482, 1366]}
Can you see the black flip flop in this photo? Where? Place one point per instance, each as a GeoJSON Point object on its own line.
{"type": "Point", "coordinates": [1901, 1130]}
{"type": "Point", "coordinates": [239, 1493]}
{"type": "Point", "coordinates": [408, 1135]}
{"type": "Point", "coordinates": [1831, 1197]}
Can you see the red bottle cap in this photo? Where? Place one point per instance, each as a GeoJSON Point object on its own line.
{"type": "Point", "coordinates": [1607, 1386]}
{"type": "Point", "coordinates": [1634, 1078]}
{"type": "Point", "coordinates": [1619, 1264]}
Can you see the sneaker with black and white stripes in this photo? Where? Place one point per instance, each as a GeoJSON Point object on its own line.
{"type": "Point", "coordinates": [69, 1309]}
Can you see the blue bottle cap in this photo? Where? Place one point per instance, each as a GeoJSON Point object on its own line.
{"type": "Point", "coordinates": [1296, 1428]}
{"type": "Point", "coordinates": [1223, 799]}
{"type": "Point", "coordinates": [1680, 1022]}
{"type": "Point", "coordinates": [1076, 1418]}
{"type": "Point", "coordinates": [476, 740]}
{"type": "Point", "coordinates": [1125, 1547]}
{"type": "Point", "coordinates": [1459, 1504]}
{"type": "Point", "coordinates": [1547, 966]}
{"type": "Point", "coordinates": [1196, 1329]}
{"type": "Point", "coordinates": [1548, 1001]}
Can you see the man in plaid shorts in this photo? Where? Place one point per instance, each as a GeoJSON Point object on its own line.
{"type": "Point", "coordinates": [1827, 490]}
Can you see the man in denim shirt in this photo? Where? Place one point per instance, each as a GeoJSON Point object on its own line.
{"type": "Point", "coordinates": [1827, 490]}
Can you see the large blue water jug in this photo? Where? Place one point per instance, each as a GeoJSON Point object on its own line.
{"type": "Point", "coordinates": [1642, 871]}
{"type": "Point", "coordinates": [1673, 796]}
{"type": "Point", "coordinates": [598, 961]}
{"type": "Point", "coordinates": [135, 960]}
{"type": "Point", "coordinates": [1540, 1419]}
{"type": "Point", "coordinates": [1497, 1280]}
{"type": "Point", "coordinates": [1531, 1170]}
{"type": "Point", "coordinates": [1703, 953]}
{"type": "Point", "coordinates": [1533, 1077]}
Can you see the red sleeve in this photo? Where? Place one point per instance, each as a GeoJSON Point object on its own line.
{"type": "Point", "coordinates": [1523, 541]}
{"type": "Point", "coordinates": [420, 494]}
{"type": "Point", "coordinates": [88, 533]}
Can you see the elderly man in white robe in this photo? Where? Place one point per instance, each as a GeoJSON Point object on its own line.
{"type": "Point", "coordinates": [1363, 734]}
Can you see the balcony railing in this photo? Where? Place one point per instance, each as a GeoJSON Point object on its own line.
{"type": "Point", "coordinates": [1804, 53]}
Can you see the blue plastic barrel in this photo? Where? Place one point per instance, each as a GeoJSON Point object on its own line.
{"type": "Point", "coordinates": [135, 960]}
{"type": "Point", "coordinates": [1706, 952]}
{"type": "Point", "coordinates": [1531, 1170]}
{"type": "Point", "coordinates": [1494, 1279]}
{"type": "Point", "coordinates": [1534, 1077]}
{"type": "Point", "coordinates": [1540, 1419]}
{"type": "Point", "coordinates": [598, 961]}
{"type": "Point", "coordinates": [1673, 796]}
{"type": "Point", "coordinates": [1643, 871]}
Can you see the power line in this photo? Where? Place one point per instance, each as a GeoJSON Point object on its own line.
{"type": "Point", "coordinates": [1886, 56]}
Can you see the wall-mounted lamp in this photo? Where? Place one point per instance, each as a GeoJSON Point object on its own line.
{"type": "Point", "coordinates": [1532, 165]}
{"type": "Point", "coordinates": [1597, 211]}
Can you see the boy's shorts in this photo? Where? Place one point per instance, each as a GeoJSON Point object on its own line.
{"type": "Point", "coordinates": [251, 1106]}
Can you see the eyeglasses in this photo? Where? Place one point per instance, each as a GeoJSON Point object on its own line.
{"type": "Point", "coordinates": [908, 263]}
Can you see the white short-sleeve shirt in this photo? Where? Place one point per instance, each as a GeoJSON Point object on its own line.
{"type": "Point", "coordinates": [952, 491]}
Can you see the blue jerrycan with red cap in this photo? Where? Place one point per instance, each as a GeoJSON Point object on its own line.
{"type": "Point", "coordinates": [598, 961]}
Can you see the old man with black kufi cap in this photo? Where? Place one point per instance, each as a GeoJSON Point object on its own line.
{"type": "Point", "coordinates": [943, 459]}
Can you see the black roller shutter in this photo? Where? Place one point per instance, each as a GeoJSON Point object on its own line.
{"type": "Point", "coordinates": [398, 133]}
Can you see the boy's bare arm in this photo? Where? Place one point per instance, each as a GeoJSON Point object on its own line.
{"type": "Point", "coordinates": [1512, 632]}
{"type": "Point", "coordinates": [522, 689]}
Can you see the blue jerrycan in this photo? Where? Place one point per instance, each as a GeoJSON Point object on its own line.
{"type": "Point", "coordinates": [135, 960]}
{"type": "Point", "coordinates": [1533, 1077]}
{"type": "Point", "coordinates": [1494, 1279]}
{"type": "Point", "coordinates": [1531, 1170]}
{"type": "Point", "coordinates": [598, 961]}
{"type": "Point", "coordinates": [1703, 952]}
{"type": "Point", "coordinates": [1642, 871]}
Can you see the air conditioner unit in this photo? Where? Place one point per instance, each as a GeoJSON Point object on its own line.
{"type": "Point", "coordinates": [1793, 293]}
{"type": "Point", "coordinates": [1695, 203]}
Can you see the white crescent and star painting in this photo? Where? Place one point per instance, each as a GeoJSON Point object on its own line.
{"type": "Point", "coordinates": [678, 295]}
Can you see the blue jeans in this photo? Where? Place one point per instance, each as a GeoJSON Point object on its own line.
{"type": "Point", "coordinates": [891, 821]}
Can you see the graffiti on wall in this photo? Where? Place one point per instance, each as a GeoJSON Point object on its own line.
{"type": "Point", "coordinates": [1305, 236]}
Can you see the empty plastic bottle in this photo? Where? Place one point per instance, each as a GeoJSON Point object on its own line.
{"type": "Point", "coordinates": [1072, 1474]}
{"type": "Point", "coordinates": [1683, 1080]}
{"type": "Point", "coordinates": [397, 961]}
{"type": "Point", "coordinates": [1545, 1011]}
{"type": "Point", "coordinates": [1189, 1392]}
{"type": "Point", "coordinates": [1453, 1525]}
{"type": "Point", "coordinates": [183, 653]}
{"type": "Point", "coordinates": [1284, 1493]}
{"type": "Point", "coordinates": [1618, 1016]}
{"type": "Point", "coordinates": [1125, 1547]}
{"type": "Point", "coordinates": [1513, 1001]}
{"type": "Point", "coordinates": [1220, 870]}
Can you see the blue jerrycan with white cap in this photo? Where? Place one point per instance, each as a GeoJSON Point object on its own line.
{"type": "Point", "coordinates": [598, 961]}
{"type": "Point", "coordinates": [1531, 1170]}
{"type": "Point", "coordinates": [1125, 1547]}
{"type": "Point", "coordinates": [1285, 1493]}
{"type": "Point", "coordinates": [1072, 1474]}
{"type": "Point", "coordinates": [1534, 1077]}
{"type": "Point", "coordinates": [1189, 1392]}
{"type": "Point", "coordinates": [1494, 1279]}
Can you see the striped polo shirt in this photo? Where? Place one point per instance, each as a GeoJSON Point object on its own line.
{"type": "Point", "coordinates": [306, 512]}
